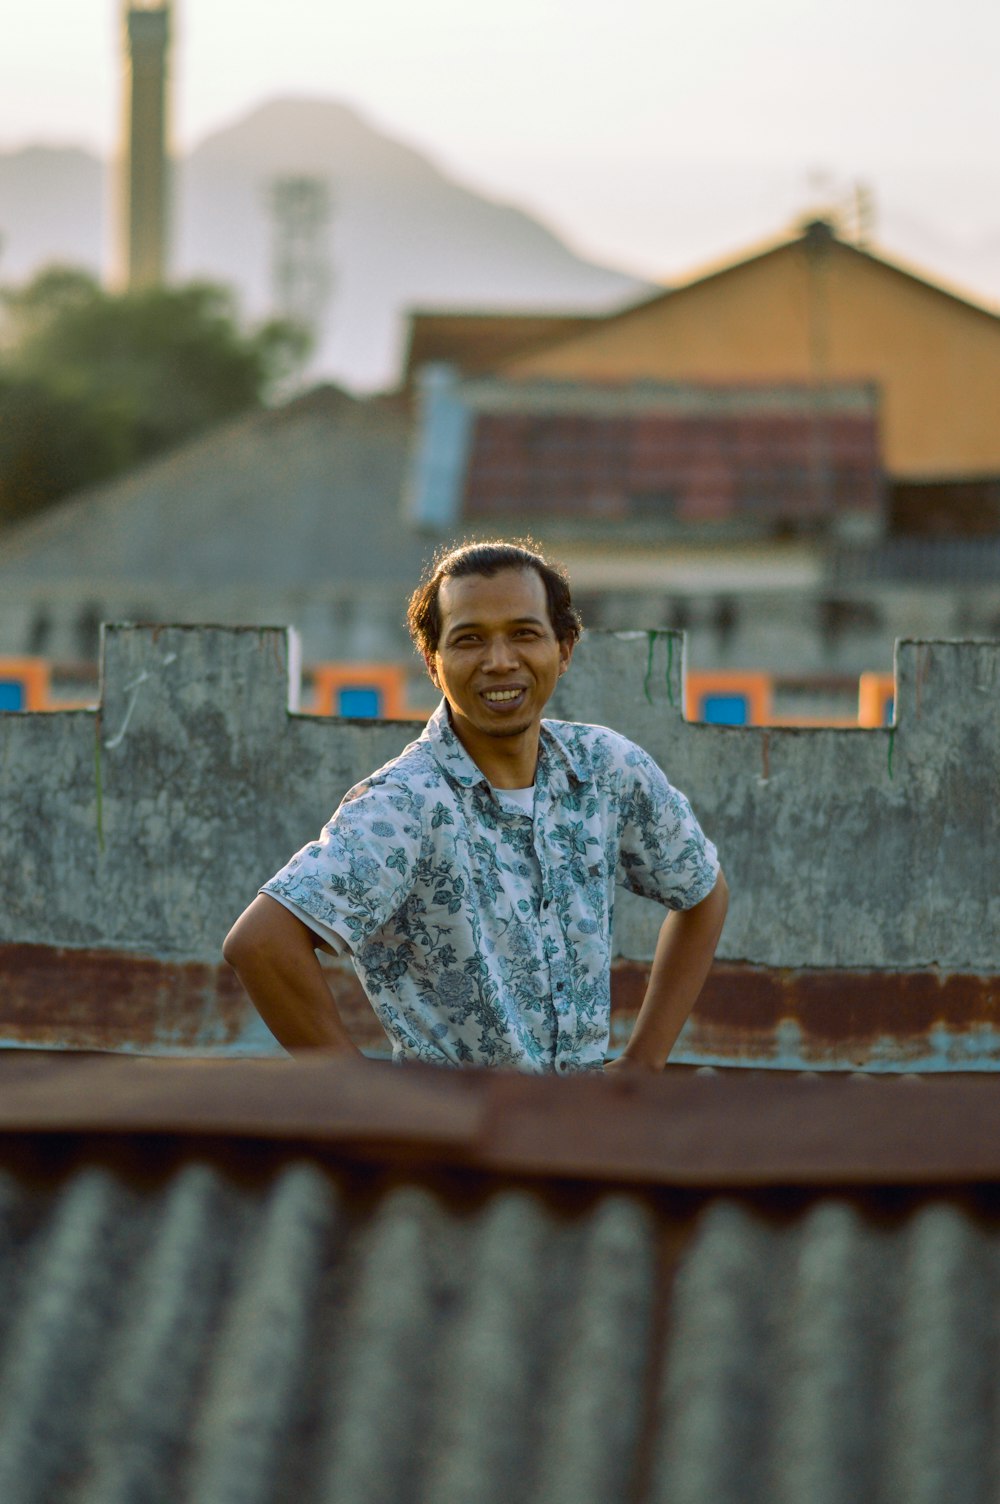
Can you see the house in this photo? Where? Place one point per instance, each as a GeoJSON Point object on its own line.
{"type": "Point", "coordinates": [815, 309]}
{"type": "Point", "coordinates": [780, 456]}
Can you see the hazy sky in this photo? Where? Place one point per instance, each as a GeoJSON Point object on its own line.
{"type": "Point", "coordinates": [646, 132]}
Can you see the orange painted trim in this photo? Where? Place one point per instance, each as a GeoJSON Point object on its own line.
{"type": "Point", "coordinates": [388, 679]}
{"type": "Point", "coordinates": [876, 692]}
{"type": "Point", "coordinates": [33, 675]}
{"type": "Point", "coordinates": [755, 688]}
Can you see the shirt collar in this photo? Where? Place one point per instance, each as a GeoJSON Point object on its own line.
{"type": "Point", "coordinates": [556, 763]}
{"type": "Point", "coordinates": [448, 752]}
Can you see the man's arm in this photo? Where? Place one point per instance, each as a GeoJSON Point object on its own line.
{"type": "Point", "coordinates": [684, 952]}
{"type": "Point", "coordinates": [274, 955]}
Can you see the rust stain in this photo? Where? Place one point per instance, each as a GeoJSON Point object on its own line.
{"type": "Point", "coordinates": [839, 1012]}
{"type": "Point", "coordinates": [98, 999]}
{"type": "Point", "coordinates": [104, 999]}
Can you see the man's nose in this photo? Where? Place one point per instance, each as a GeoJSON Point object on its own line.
{"type": "Point", "coordinates": [499, 654]}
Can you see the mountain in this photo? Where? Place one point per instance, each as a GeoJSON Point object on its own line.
{"type": "Point", "coordinates": [401, 232]}
{"type": "Point", "coordinates": [52, 208]}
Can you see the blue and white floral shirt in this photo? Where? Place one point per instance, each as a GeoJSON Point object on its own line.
{"type": "Point", "coordinates": [481, 933]}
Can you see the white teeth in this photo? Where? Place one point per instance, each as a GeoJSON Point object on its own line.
{"type": "Point", "coordinates": [502, 694]}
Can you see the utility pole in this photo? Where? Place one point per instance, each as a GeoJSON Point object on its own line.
{"type": "Point", "coordinates": [819, 245]}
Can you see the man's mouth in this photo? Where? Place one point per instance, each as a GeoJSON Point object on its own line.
{"type": "Point", "coordinates": [502, 696]}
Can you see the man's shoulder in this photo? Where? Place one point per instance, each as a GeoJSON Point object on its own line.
{"type": "Point", "coordinates": [594, 745]}
{"type": "Point", "coordinates": [411, 774]}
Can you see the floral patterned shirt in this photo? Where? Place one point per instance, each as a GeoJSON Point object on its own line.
{"type": "Point", "coordinates": [482, 934]}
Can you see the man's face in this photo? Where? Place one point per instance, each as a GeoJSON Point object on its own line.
{"type": "Point", "coordinates": [497, 660]}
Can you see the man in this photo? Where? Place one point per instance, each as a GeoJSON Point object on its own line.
{"type": "Point", "coordinates": [471, 879]}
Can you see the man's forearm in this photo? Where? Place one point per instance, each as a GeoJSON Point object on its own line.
{"type": "Point", "coordinates": [273, 954]}
{"type": "Point", "coordinates": [683, 958]}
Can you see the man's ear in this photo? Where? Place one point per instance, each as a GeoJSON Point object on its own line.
{"type": "Point", "coordinates": [565, 653]}
{"type": "Point", "coordinates": [431, 669]}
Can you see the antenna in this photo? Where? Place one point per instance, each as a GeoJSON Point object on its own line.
{"type": "Point", "coordinates": [864, 213]}
{"type": "Point", "coordinates": [300, 266]}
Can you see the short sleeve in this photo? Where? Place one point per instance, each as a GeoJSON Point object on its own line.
{"type": "Point", "coordinates": [663, 851]}
{"type": "Point", "coordinates": [360, 870]}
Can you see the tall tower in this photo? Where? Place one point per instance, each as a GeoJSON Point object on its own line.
{"type": "Point", "coordinates": [145, 185]}
{"type": "Point", "coordinates": [300, 263]}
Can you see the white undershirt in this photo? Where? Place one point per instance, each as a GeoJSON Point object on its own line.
{"type": "Point", "coordinates": [523, 798]}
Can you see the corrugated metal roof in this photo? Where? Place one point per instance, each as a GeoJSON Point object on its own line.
{"type": "Point", "coordinates": [680, 1129]}
{"type": "Point", "coordinates": [196, 1312]}
{"type": "Point", "coordinates": [207, 1333]}
{"type": "Point", "coordinates": [833, 1357]}
{"type": "Point", "coordinates": [308, 1336]}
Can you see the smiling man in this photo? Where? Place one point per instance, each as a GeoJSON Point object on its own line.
{"type": "Point", "coordinates": [472, 879]}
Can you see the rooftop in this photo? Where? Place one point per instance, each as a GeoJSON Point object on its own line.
{"type": "Point", "coordinates": [273, 1280]}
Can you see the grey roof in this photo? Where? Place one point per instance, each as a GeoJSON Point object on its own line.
{"type": "Point", "coordinates": [833, 1355]}
{"type": "Point", "coordinates": [228, 1294]}
{"type": "Point", "coordinates": [299, 495]}
{"type": "Point", "coordinates": [923, 561]}
{"type": "Point", "coordinates": [309, 1336]}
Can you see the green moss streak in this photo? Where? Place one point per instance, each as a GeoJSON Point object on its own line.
{"type": "Point", "coordinates": [97, 783]}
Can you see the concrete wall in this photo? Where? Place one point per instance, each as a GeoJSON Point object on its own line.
{"type": "Point", "coordinates": [130, 838]}
{"type": "Point", "coordinates": [772, 625]}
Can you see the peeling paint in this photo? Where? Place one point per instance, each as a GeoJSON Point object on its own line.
{"type": "Point", "coordinates": [132, 689]}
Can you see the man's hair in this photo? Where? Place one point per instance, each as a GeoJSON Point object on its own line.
{"type": "Point", "coordinates": [423, 615]}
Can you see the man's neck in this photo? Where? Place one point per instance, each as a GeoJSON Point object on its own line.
{"type": "Point", "coordinates": [508, 762]}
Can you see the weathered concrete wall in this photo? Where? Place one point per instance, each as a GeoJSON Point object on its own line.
{"type": "Point", "coordinates": [131, 837]}
{"type": "Point", "coordinates": [808, 627]}
{"type": "Point", "coordinates": [844, 848]}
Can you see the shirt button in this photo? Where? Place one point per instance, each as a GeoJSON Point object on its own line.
{"type": "Point", "coordinates": [546, 902]}
{"type": "Point", "coordinates": [561, 1066]}
{"type": "Point", "coordinates": [559, 986]}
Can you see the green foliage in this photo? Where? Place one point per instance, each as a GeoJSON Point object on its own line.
{"type": "Point", "coordinates": [51, 444]}
{"type": "Point", "coordinates": [92, 382]}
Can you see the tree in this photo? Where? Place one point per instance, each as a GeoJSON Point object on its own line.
{"type": "Point", "coordinates": [92, 382]}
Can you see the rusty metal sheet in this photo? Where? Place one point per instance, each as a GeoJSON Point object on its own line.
{"type": "Point", "coordinates": [830, 1019]}
{"type": "Point", "coordinates": [57, 998]}
{"type": "Point", "coordinates": [740, 1128]}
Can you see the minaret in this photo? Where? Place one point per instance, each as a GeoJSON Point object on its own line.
{"type": "Point", "coordinates": [147, 24]}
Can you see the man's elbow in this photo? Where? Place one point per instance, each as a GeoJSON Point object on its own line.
{"type": "Point", "coordinates": [249, 936]}
{"type": "Point", "coordinates": [235, 947]}
{"type": "Point", "coordinates": [721, 893]}
{"type": "Point", "coordinates": [264, 933]}
{"type": "Point", "coordinates": [715, 905]}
